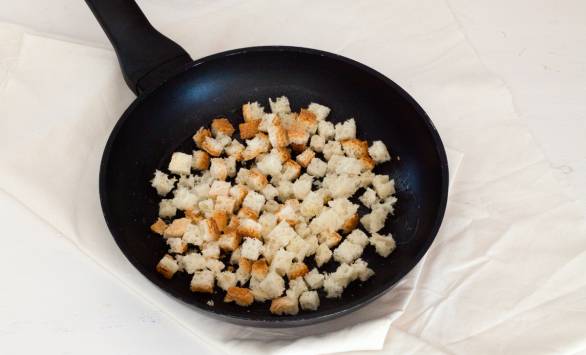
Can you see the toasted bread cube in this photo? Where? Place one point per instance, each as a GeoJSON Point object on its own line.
{"type": "Point", "coordinates": [320, 111]}
{"type": "Point", "coordinates": [309, 301]}
{"type": "Point", "coordinates": [251, 248]}
{"type": "Point", "coordinates": [225, 204]}
{"type": "Point", "coordinates": [270, 164]}
{"type": "Point", "coordinates": [221, 219]}
{"type": "Point", "coordinates": [355, 148]}
{"type": "Point", "coordinates": [238, 193]}
{"type": "Point", "coordinates": [284, 305]}
{"type": "Point", "coordinates": [159, 226]}
{"type": "Point", "coordinates": [298, 148]}
{"type": "Point", "coordinates": [212, 146]}
{"type": "Point", "coordinates": [254, 201]}
{"type": "Point", "coordinates": [233, 225]}
{"type": "Point", "coordinates": [296, 134]}
{"type": "Point", "coordinates": [302, 186]}
{"type": "Point", "coordinates": [206, 207]}
{"type": "Point", "coordinates": [298, 269]}
{"type": "Point", "coordinates": [280, 105]}
{"type": "Point", "coordinates": [283, 153]}
{"type": "Point", "coordinates": [329, 238]}
{"type": "Point", "coordinates": [296, 287]}
{"type": "Point", "coordinates": [314, 279]}
{"type": "Point", "coordinates": [288, 214]}
{"type": "Point", "coordinates": [367, 163]}
{"type": "Point", "coordinates": [247, 213]}
{"type": "Point", "coordinates": [351, 223]}
{"type": "Point", "coordinates": [272, 206]}
{"type": "Point", "coordinates": [200, 160]}
{"type": "Point", "coordinates": [162, 183]}
{"type": "Point", "coordinates": [209, 230]}
{"type": "Point", "coordinates": [256, 146]}
{"type": "Point", "coordinates": [202, 281]}
{"type": "Point", "coordinates": [317, 143]}
{"type": "Point", "coordinates": [180, 163]}
{"type": "Point", "coordinates": [242, 296]}
{"type": "Point", "coordinates": [277, 134]}
{"type": "Point", "coordinates": [229, 241]}
{"type": "Point", "coordinates": [291, 170]}
{"type": "Point", "coordinates": [269, 192]}
{"type": "Point", "coordinates": [305, 158]}
{"type": "Point", "coordinates": [252, 111]}
{"type": "Point", "coordinates": [243, 272]}
{"type": "Point", "coordinates": [282, 261]}
{"type": "Point", "coordinates": [249, 129]}
{"type": "Point", "coordinates": [177, 228]}
{"type": "Point", "coordinates": [323, 254]}
{"type": "Point", "coordinates": [347, 252]}
{"type": "Point", "coordinates": [383, 186]}
{"type": "Point", "coordinates": [256, 180]}
{"type": "Point", "coordinates": [384, 245]}
{"type": "Point", "coordinates": [259, 270]}
{"type": "Point", "coordinates": [358, 237]}
{"type": "Point", "coordinates": [249, 228]}
{"type": "Point", "coordinates": [176, 245]}
{"type": "Point", "coordinates": [368, 198]}
{"type": "Point", "coordinates": [317, 167]}
{"type": "Point", "coordinates": [222, 126]}
{"type": "Point", "coordinates": [308, 121]}
{"type": "Point", "coordinates": [192, 262]}
{"type": "Point", "coordinates": [235, 149]}
{"type": "Point", "coordinates": [214, 265]}
{"type": "Point", "coordinates": [226, 280]}
{"type": "Point", "coordinates": [167, 266]}
{"type": "Point", "coordinates": [219, 169]}
{"type": "Point", "coordinates": [268, 221]}
{"type": "Point", "coordinates": [378, 151]}
{"type": "Point", "coordinates": [332, 148]}
{"type": "Point", "coordinates": [273, 285]}
{"type": "Point", "coordinates": [200, 136]}
{"type": "Point", "coordinates": [326, 130]}
{"type": "Point", "coordinates": [345, 130]}
{"type": "Point", "coordinates": [193, 235]}
{"type": "Point", "coordinates": [219, 188]}
{"type": "Point", "coordinates": [211, 250]}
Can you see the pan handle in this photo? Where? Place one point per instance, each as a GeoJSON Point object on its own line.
{"type": "Point", "coordinates": [146, 57]}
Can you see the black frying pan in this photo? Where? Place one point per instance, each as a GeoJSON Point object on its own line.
{"type": "Point", "coordinates": [177, 95]}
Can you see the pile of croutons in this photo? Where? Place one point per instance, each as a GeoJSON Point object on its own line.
{"type": "Point", "coordinates": [256, 211]}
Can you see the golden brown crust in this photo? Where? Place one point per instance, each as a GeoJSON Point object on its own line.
{"type": "Point", "coordinates": [283, 153]}
{"type": "Point", "coordinates": [245, 265]}
{"type": "Point", "coordinates": [297, 270]}
{"type": "Point", "coordinates": [297, 135]}
{"type": "Point", "coordinates": [247, 212]}
{"type": "Point", "coordinates": [200, 136]}
{"type": "Point", "coordinates": [284, 305]}
{"type": "Point", "coordinates": [355, 148]}
{"type": "Point", "coordinates": [222, 125]}
{"type": "Point", "coordinates": [298, 148]}
{"type": "Point", "coordinates": [248, 129]}
{"type": "Point", "coordinates": [163, 269]}
{"type": "Point", "coordinates": [331, 239]}
{"type": "Point", "coordinates": [193, 215]}
{"type": "Point", "coordinates": [307, 120]}
{"type": "Point", "coordinates": [305, 158]}
{"type": "Point", "coordinates": [242, 296]}
{"type": "Point", "coordinates": [249, 231]}
{"type": "Point", "coordinates": [351, 223]}
{"type": "Point", "coordinates": [177, 228]}
{"type": "Point", "coordinates": [201, 160]}
{"type": "Point", "coordinates": [212, 228]}
{"type": "Point", "coordinates": [229, 241]}
{"type": "Point", "coordinates": [278, 134]}
{"type": "Point", "coordinates": [258, 179]}
{"type": "Point", "coordinates": [210, 148]}
{"type": "Point", "coordinates": [367, 162]}
{"type": "Point", "coordinates": [247, 113]}
{"type": "Point", "coordinates": [233, 225]}
{"type": "Point", "coordinates": [291, 164]}
{"type": "Point", "coordinates": [159, 226]}
{"type": "Point", "coordinates": [202, 288]}
{"type": "Point", "coordinates": [260, 269]}
{"type": "Point", "coordinates": [239, 194]}
{"type": "Point", "coordinates": [221, 219]}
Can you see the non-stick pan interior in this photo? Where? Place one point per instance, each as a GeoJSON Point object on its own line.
{"type": "Point", "coordinates": [164, 121]}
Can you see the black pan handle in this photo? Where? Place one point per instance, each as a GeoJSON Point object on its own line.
{"type": "Point", "coordinates": [147, 58]}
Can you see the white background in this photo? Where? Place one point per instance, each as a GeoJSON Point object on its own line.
{"type": "Point", "coordinates": [67, 304]}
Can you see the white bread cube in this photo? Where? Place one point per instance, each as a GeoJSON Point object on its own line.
{"type": "Point", "coordinates": [251, 248]}
{"type": "Point", "coordinates": [238, 192]}
{"type": "Point", "coordinates": [288, 213]}
{"type": "Point", "coordinates": [229, 241]}
{"type": "Point", "coordinates": [162, 183]}
{"type": "Point", "coordinates": [323, 254]}
{"type": "Point", "coordinates": [305, 158]}
{"type": "Point", "coordinates": [383, 186]}
{"type": "Point", "coordinates": [254, 201]}
{"type": "Point", "coordinates": [273, 285]}
{"type": "Point", "coordinates": [202, 281]}
{"type": "Point", "coordinates": [341, 185]}
{"type": "Point", "coordinates": [317, 143]}
{"type": "Point", "coordinates": [326, 129]}
{"type": "Point", "coordinates": [167, 266]}
{"type": "Point", "coordinates": [302, 186]}
{"type": "Point", "coordinates": [206, 207]}
{"type": "Point", "coordinates": [231, 165]}
{"type": "Point", "coordinates": [270, 164]}
{"type": "Point", "coordinates": [252, 111]}
{"type": "Point", "coordinates": [366, 178]}
{"type": "Point", "coordinates": [184, 198]}
{"type": "Point", "coordinates": [327, 220]}
{"type": "Point", "coordinates": [285, 189]}
{"type": "Point", "coordinates": [384, 245]}
{"type": "Point", "coordinates": [211, 250]}
{"type": "Point", "coordinates": [375, 220]}
{"type": "Point", "coordinates": [272, 206]}
{"type": "Point", "coordinates": [291, 170]}
{"type": "Point", "coordinates": [225, 204]}
{"type": "Point", "coordinates": [282, 262]}
{"type": "Point", "coordinates": [219, 169]}
{"type": "Point", "coordinates": [280, 105]}
{"type": "Point", "coordinates": [317, 167]}
{"type": "Point", "coordinates": [368, 198]}
{"type": "Point", "coordinates": [219, 188]}
{"type": "Point", "coordinates": [249, 228]}
{"type": "Point", "coordinates": [268, 221]}
{"type": "Point", "coordinates": [320, 111]}
{"type": "Point", "coordinates": [180, 163]}
{"type": "Point", "coordinates": [302, 229]}
{"type": "Point", "coordinates": [312, 204]}
{"type": "Point", "coordinates": [358, 237]}
{"type": "Point", "coordinates": [193, 235]}
{"type": "Point", "coordinates": [201, 191]}
{"type": "Point", "coordinates": [347, 252]}
{"type": "Point", "coordinates": [345, 165]}
{"type": "Point", "coordinates": [296, 287]}
{"type": "Point", "coordinates": [378, 151]}
{"type": "Point", "coordinates": [213, 146]}
{"type": "Point", "coordinates": [298, 247]}
{"type": "Point", "coordinates": [176, 245]}
{"type": "Point", "coordinates": [226, 280]}
{"type": "Point", "coordinates": [282, 231]}
{"type": "Point", "coordinates": [214, 265]}
{"type": "Point", "coordinates": [192, 262]}
{"type": "Point", "coordinates": [314, 279]}
{"type": "Point", "coordinates": [256, 180]}
{"type": "Point", "coordinates": [269, 192]}
{"type": "Point", "coordinates": [209, 230]}
{"type": "Point", "coordinates": [187, 181]}
{"type": "Point", "coordinates": [332, 287]}
{"type": "Point", "coordinates": [345, 130]}
{"type": "Point", "coordinates": [344, 274]}
{"type": "Point", "coordinates": [387, 204]}
{"type": "Point", "coordinates": [313, 243]}
{"type": "Point", "coordinates": [361, 270]}
{"type": "Point", "coordinates": [309, 301]}
{"type": "Point", "coordinates": [167, 208]}
{"type": "Point", "coordinates": [244, 269]}
{"type": "Point", "coordinates": [265, 121]}
{"type": "Point", "coordinates": [235, 149]}
{"type": "Point", "coordinates": [257, 292]}
{"type": "Point", "coordinates": [329, 238]}
{"type": "Point", "coordinates": [284, 305]}
{"type": "Point", "coordinates": [332, 148]}
{"type": "Point", "coordinates": [254, 147]}
{"type": "Point", "coordinates": [343, 207]}
{"type": "Point", "coordinates": [224, 140]}
{"type": "Point", "coordinates": [177, 228]}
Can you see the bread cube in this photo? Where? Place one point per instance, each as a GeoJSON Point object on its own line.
{"type": "Point", "coordinates": [254, 201]}
{"type": "Point", "coordinates": [277, 133]}
{"type": "Point", "coordinates": [268, 221]}
{"type": "Point", "coordinates": [282, 262]}
{"type": "Point", "coordinates": [383, 186]}
{"type": "Point", "coordinates": [308, 121]}
{"type": "Point", "coordinates": [214, 265]}
{"type": "Point", "coordinates": [242, 296]}
{"type": "Point", "coordinates": [192, 262]}
{"type": "Point", "coordinates": [256, 146]}
{"type": "Point", "coordinates": [329, 238]}
{"type": "Point", "coordinates": [226, 280]}
{"type": "Point", "coordinates": [209, 230]}
{"type": "Point", "coordinates": [332, 287]}
{"type": "Point", "coordinates": [347, 252]}
{"type": "Point", "coordinates": [355, 148]}
{"type": "Point", "coordinates": [222, 126]}
{"type": "Point", "coordinates": [252, 111]}
{"type": "Point", "coordinates": [366, 178]}
{"type": "Point", "coordinates": [367, 163]}
{"type": "Point", "coordinates": [309, 301]}
{"type": "Point", "coordinates": [290, 171]}
{"type": "Point", "coordinates": [251, 248]}
{"type": "Point", "coordinates": [302, 187]}
{"type": "Point", "coordinates": [177, 228]}
{"type": "Point", "coordinates": [247, 213]}
{"type": "Point", "coordinates": [229, 241]}
{"type": "Point", "coordinates": [249, 228]}
{"type": "Point", "coordinates": [299, 247]}
{"type": "Point", "coordinates": [378, 151]}
{"type": "Point", "coordinates": [326, 129]}
{"type": "Point", "coordinates": [327, 220]}
{"type": "Point", "coordinates": [284, 305]}
{"type": "Point", "coordinates": [343, 207]}
{"type": "Point", "coordinates": [238, 192]}
{"type": "Point", "coordinates": [280, 105]}
{"type": "Point", "coordinates": [345, 165]}
{"type": "Point", "coordinates": [272, 206]}
{"type": "Point", "coordinates": [298, 269]}
{"type": "Point", "coordinates": [184, 198]}
{"type": "Point", "coordinates": [361, 270]}
{"type": "Point", "coordinates": [249, 129]}
{"type": "Point", "coordinates": [176, 245]}
{"type": "Point", "coordinates": [206, 207]}
{"type": "Point", "coordinates": [283, 153]}
{"type": "Point", "coordinates": [320, 111]}
{"type": "Point", "coordinates": [342, 185]}
{"type": "Point", "coordinates": [235, 149]}
{"type": "Point", "coordinates": [375, 220]}
{"type": "Point", "coordinates": [368, 198]}
{"type": "Point", "coordinates": [221, 219]}
{"type": "Point", "coordinates": [219, 188]}
{"type": "Point", "coordinates": [287, 213]}
{"type": "Point", "coordinates": [305, 158]}
{"type": "Point", "coordinates": [345, 130]}
{"type": "Point", "coordinates": [180, 163]}
{"type": "Point", "coordinates": [269, 192]}
{"type": "Point", "coordinates": [296, 287]}
{"type": "Point", "coordinates": [211, 250]}
{"type": "Point", "coordinates": [323, 254]}
{"type": "Point", "coordinates": [358, 237]}
{"type": "Point", "coordinates": [332, 148]}
{"type": "Point", "coordinates": [193, 235]}
{"type": "Point", "coordinates": [256, 180]}
{"type": "Point", "coordinates": [186, 181]}
{"type": "Point", "coordinates": [384, 245]}
{"type": "Point", "coordinates": [302, 229]}
{"type": "Point", "coordinates": [243, 272]}
{"type": "Point", "coordinates": [273, 285]}
{"type": "Point", "coordinates": [317, 167]}
{"type": "Point", "coordinates": [162, 183]}
{"type": "Point", "coordinates": [159, 226]}
{"type": "Point", "coordinates": [212, 146]}
{"type": "Point", "coordinates": [200, 136]}
{"type": "Point", "coordinates": [314, 279]}
{"type": "Point", "coordinates": [202, 281]}
{"type": "Point", "coordinates": [313, 244]}
{"type": "Point", "coordinates": [167, 266]}
{"type": "Point", "coordinates": [270, 164]}
{"type": "Point", "coordinates": [225, 204]}
{"type": "Point", "coordinates": [259, 270]}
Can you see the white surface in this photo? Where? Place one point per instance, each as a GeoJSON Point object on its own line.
{"type": "Point", "coordinates": [566, 103]}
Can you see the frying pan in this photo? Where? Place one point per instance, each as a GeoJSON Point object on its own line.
{"type": "Point", "coordinates": [177, 95]}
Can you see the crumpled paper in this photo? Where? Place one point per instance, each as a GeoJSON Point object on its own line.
{"type": "Point", "coordinates": [506, 261]}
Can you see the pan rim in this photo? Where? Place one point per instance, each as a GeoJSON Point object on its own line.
{"type": "Point", "coordinates": [304, 319]}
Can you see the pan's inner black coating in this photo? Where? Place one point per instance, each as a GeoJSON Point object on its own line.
{"type": "Point", "coordinates": [165, 120]}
